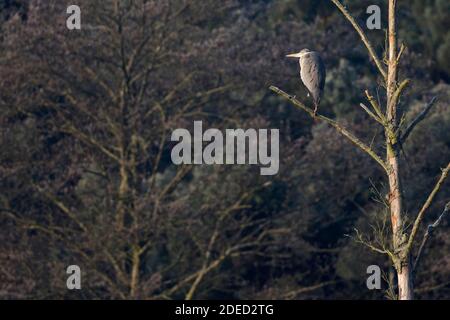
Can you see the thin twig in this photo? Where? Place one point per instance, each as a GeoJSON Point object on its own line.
{"type": "Point", "coordinates": [376, 106]}
{"type": "Point", "coordinates": [400, 53]}
{"type": "Point", "coordinates": [371, 114]}
{"type": "Point", "coordinates": [360, 239]}
{"type": "Point", "coordinates": [292, 294]}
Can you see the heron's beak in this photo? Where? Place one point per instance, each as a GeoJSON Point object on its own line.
{"type": "Point", "coordinates": [294, 55]}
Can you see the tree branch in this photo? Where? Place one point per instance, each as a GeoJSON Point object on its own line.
{"type": "Point", "coordinates": [430, 230]}
{"type": "Point", "coordinates": [334, 124]}
{"type": "Point", "coordinates": [419, 118]}
{"type": "Point", "coordinates": [426, 206]}
{"type": "Point", "coordinates": [400, 53]}
{"type": "Point", "coordinates": [360, 239]}
{"type": "Point", "coordinates": [376, 107]}
{"type": "Point", "coordinates": [363, 37]}
{"type": "Point", "coordinates": [371, 114]}
{"type": "Point", "coordinates": [63, 208]}
{"type": "Point", "coordinates": [167, 293]}
{"type": "Point", "coordinates": [398, 91]}
{"type": "Point", "coordinates": [89, 140]}
{"type": "Point", "coordinates": [294, 293]}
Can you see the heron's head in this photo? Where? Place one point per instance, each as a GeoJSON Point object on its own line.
{"type": "Point", "coordinates": [299, 55]}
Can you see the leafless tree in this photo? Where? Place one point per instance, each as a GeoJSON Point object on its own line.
{"type": "Point", "coordinates": [396, 134]}
{"type": "Point", "coordinates": [109, 97]}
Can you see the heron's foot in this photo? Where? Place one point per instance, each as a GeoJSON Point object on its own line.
{"type": "Point", "coordinates": [315, 111]}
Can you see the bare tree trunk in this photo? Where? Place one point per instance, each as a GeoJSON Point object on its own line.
{"type": "Point", "coordinates": [405, 281]}
{"type": "Point", "coordinates": [403, 265]}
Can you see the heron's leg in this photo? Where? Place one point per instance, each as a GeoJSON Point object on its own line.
{"type": "Point", "coordinates": [315, 110]}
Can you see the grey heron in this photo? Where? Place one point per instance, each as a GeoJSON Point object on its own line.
{"type": "Point", "coordinates": [312, 73]}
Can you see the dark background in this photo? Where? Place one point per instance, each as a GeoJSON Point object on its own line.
{"type": "Point", "coordinates": [85, 170]}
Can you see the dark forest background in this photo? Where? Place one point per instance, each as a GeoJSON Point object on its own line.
{"type": "Point", "coordinates": [85, 170]}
